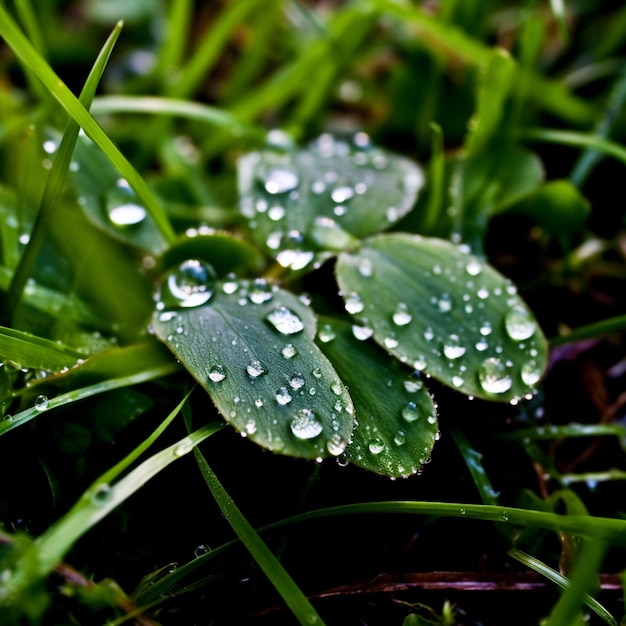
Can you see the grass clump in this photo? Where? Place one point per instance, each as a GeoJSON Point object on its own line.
{"type": "Point", "coordinates": [375, 236]}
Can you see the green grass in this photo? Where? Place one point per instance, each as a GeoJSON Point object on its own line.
{"type": "Point", "coordinates": [470, 209]}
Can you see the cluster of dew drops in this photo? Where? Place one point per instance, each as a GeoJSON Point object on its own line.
{"type": "Point", "coordinates": [193, 284]}
{"type": "Point", "coordinates": [282, 182]}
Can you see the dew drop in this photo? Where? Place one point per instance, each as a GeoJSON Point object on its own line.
{"type": "Point", "coordinates": [401, 316]}
{"type": "Point", "coordinates": [317, 372]}
{"type": "Point", "coordinates": [276, 213]}
{"type": "Point", "coordinates": [183, 447]}
{"type": "Point", "coordinates": [365, 268]}
{"type": "Point", "coordinates": [399, 438]}
{"type": "Point", "coordinates": [217, 373]}
{"type": "Point", "coordinates": [289, 351]}
{"type": "Point", "coordinates": [390, 342]}
{"type": "Point", "coordinates": [336, 387]}
{"type": "Point", "coordinates": [250, 427]}
{"type": "Point", "coordinates": [413, 386]}
{"type": "Point", "coordinates": [481, 344]}
{"type": "Point", "coordinates": [473, 267]}
{"type": "Point", "coordinates": [297, 381]}
{"type": "Point", "coordinates": [452, 347]}
{"type": "Point", "coordinates": [260, 291]}
{"type": "Point", "coordinates": [493, 376]}
{"type": "Point", "coordinates": [305, 425]}
{"type": "Point", "coordinates": [336, 444]}
{"type": "Point", "coordinates": [256, 369]}
{"type": "Point", "coordinates": [342, 194]}
{"type": "Point", "coordinates": [283, 396]}
{"type": "Point", "coordinates": [191, 284]}
{"type": "Point", "coordinates": [409, 412]}
{"type": "Point", "coordinates": [101, 494]}
{"type": "Point", "coordinates": [530, 373]}
{"type": "Point", "coordinates": [122, 207]}
{"type": "Point", "coordinates": [294, 259]}
{"type": "Point", "coordinates": [285, 321]}
{"type": "Point", "coordinates": [354, 304]}
{"type": "Point", "coordinates": [326, 333]}
{"type": "Point", "coordinates": [444, 304]}
{"type": "Point", "coordinates": [519, 324]}
{"type": "Point", "coordinates": [41, 402]}
{"type": "Point", "coordinates": [281, 180]}
{"type": "Point", "coordinates": [376, 446]}
{"type": "Point", "coordinates": [362, 332]}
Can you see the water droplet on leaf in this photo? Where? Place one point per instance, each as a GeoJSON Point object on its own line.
{"type": "Point", "coordinates": [216, 373]}
{"type": "Point", "coordinates": [519, 324]}
{"type": "Point", "coordinates": [256, 369]}
{"type": "Point", "coordinates": [493, 376]}
{"type": "Point", "coordinates": [452, 347]}
{"type": "Point", "coordinates": [409, 412]}
{"type": "Point", "coordinates": [401, 316]}
{"type": "Point", "coordinates": [283, 396]}
{"type": "Point", "coordinates": [305, 425]}
{"type": "Point", "coordinates": [289, 351]}
{"type": "Point", "coordinates": [281, 180]}
{"type": "Point", "coordinates": [41, 403]}
{"type": "Point", "coordinates": [285, 321]}
{"type": "Point", "coordinates": [191, 284]}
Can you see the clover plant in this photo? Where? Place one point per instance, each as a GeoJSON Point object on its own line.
{"type": "Point", "coordinates": [302, 376]}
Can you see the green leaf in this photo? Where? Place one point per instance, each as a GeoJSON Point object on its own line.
{"type": "Point", "coordinates": [560, 208]}
{"type": "Point", "coordinates": [397, 419]}
{"type": "Point", "coordinates": [108, 200]}
{"type": "Point", "coordinates": [251, 346]}
{"type": "Point", "coordinates": [224, 251]}
{"type": "Point", "coordinates": [322, 197]}
{"type": "Point", "coordinates": [432, 305]}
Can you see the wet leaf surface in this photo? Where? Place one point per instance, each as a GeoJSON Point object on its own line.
{"type": "Point", "coordinates": [322, 197]}
{"type": "Point", "coordinates": [251, 346]}
{"type": "Point", "coordinates": [446, 313]}
{"type": "Point", "coordinates": [396, 425]}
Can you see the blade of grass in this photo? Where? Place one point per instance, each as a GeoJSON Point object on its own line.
{"type": "Point", "coordinates": [433, 214]}
{"type": "Point", "coordinates": [590, 157]}
{"type": "Point", "coordinates": [25, 51]}
{"type": "Point", "coordinates": [101, 498]}
{"type": "Point", "coordinates": [562, 581]}
{"type": "Point", "coordinates": [144, 374]}
{"type": "Point", "coordinates": [611, 531]}
{"type": "Point", "coordinates": [55, 180]}
{"type": "Point", "coordinates": [36, 352]}
{"type": "Point", "coordinates": [172, 50]}
{"type": "Point", "coordinates": [211, 47]}
{"type": "Point", "coordinates": [271, 566]}
{"type": "Point", "coordinates": [597, 329]}
{"type": "Point", "coordinates": [545, 433]}
{"type": "Point", "coordinates": [453, 43]}
{"type": "Point", "coordinates": [473, 460]}
{"type": "Point", "coordinates": [578, 140]}
{"type": "Point", "coordinates": [172, 107]}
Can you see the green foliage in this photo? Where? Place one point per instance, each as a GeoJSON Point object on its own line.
{"type": "Point", "coordinates": [340, 230]}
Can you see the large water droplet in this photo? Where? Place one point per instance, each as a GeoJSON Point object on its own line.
{"type": "Point", "coordinates": [341, 194]}
{"type": "Point", "coordinates": [473, 267]}
{"type": "Point", "coordinates": [283, 396]}
{"type": "Point", "coordinates": [216, 373]}
{"type": "Point", "coordinates": [289, 351]}
{"type": "Point", "coordinates": [354, 304]}
{"type": "Point", "coordinates": [305, 425]}
{"type": "Point", "coordinates": [326, 333]}
{"type": "Point", "coordinates": [366, 268]}
{"type": "Point", "coordinates": [444, 303]}
{"type": "Point", "coordinates": [376, 446]}
{"type": "Point", "coordinates": [519, 324]}
{"type": "Point", "coordinates": [260, 291]}
{"type": "Point", "coordinates": [122, 207]}
{"type": "Point", "coordinates": [281, 180]}
{"type": "Point", "coordinates": [256, 369]}
{"type": "Point", "coordinates": [285, 321]}
{"type": "Point", "coordinates": [100, 494]}
{"type": "Point", "coordinates": [297, 381]}
{"type": "Point", "coordinates": [191, 284]}
{"type": "Point", "coordinates": [493, 376]}
{"type": "Point", "coordinates": [530, 373]}
{"type": "Point", "coordinates": [336, 444]}
{"type": "Point", "coordinates": [401, 316]}
{"type": "Point", "coordinates": [362, 332]}
{"type": "Point", "coordinates": [453, 348]}
{"type": "Point", "coordinates": [41, 402]}
{"type": "Point", "coordinates": [295, 259]}
{"type": "Point", "coordinates": [409, 412]}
